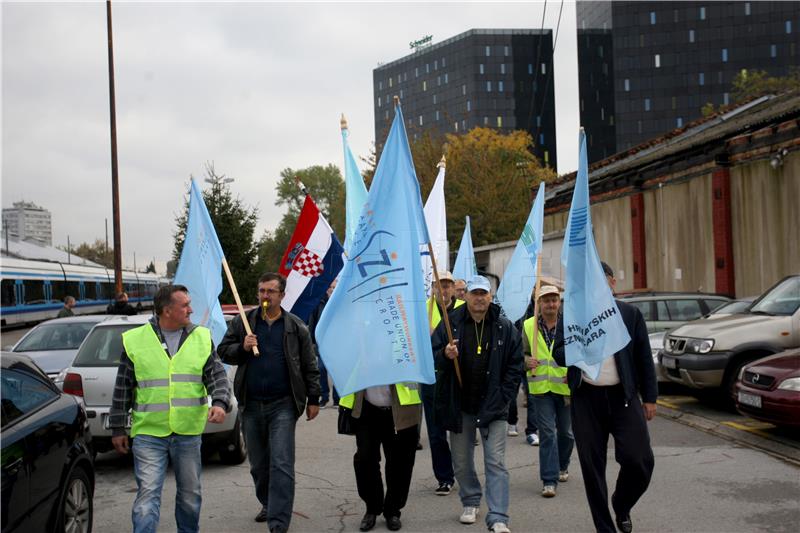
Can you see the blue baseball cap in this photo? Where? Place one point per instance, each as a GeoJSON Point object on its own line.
{"type": "Point", "coordinates": [478, 282]}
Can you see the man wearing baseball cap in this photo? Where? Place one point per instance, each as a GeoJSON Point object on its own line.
{"type": "Point", "coordinates": [488, 349]}
{"type": "Point", "coordinates": [548, 389]}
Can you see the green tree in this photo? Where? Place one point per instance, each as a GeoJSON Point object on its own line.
{"type": "Point", "coordinates": [326, 187]}
{"type": "Point", "coordinates": [151, 268]}
{"type": "Point", "coordinates": [235, 224]}
{"type": "Point", "coordinates": [753, 83]}
{"type": "Point", "coordinates": [95, 252]}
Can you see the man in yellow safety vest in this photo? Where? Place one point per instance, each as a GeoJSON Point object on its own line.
{"type": "Point", "coordinates": [547, 386]}
{"type": "Point", "coordinates": [167, 371]}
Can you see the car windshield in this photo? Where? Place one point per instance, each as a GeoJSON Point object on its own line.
{"type": "Point", "coordinates": [64, 336]}
{"type": "Point", "coordinates": [739, 306]}
{"type": "Point", "coordinates": [103, 347]}
{"type": "Point", "coordinates": [783, 299]}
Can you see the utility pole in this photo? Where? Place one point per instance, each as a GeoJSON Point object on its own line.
{"type": "Point", "coordinates": [114, 168]}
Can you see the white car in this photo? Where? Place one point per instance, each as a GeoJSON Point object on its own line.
{"type": "Point", "coordinates": [94, 372]}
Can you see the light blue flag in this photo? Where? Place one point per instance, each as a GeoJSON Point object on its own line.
{"type": "Point", "coordinates": [200, 267]}
{"type": "Point", "coordinates": [374, 329]}
{"type": "Point", "coordinates": [465, 260]}
{"type": "Point", "coordinates": [516, 287]}
{"type": "Point", "coordinates": [593, 327]}
{"type": "Point", "coordinates": [355, 190]}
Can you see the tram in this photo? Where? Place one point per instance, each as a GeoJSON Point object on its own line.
{"type": "Point", "coordinates": [32, 291]}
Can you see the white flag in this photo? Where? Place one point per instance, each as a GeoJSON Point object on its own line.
{"type": "Point", "coordinates": [436, 220]}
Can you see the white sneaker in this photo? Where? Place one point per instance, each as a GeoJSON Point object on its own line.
{"type": "Point", "coordinates": [500, 527]}
{"type": "Point", "coordinates": [549, 491]}
{"type": "Point", "coordinates": [469, 516]}
{"type": "Point", "coordinates": [512, 430]}
{"type": "Point", "coordinates": [533, 439]}
{"type": "Point", "coordinates": [563, 476]}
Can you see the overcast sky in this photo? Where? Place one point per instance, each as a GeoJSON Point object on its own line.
{"type": "Point", "coordinates": [253, 87]}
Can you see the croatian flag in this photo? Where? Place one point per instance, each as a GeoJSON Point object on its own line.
{"type": "Point", "coordinates": [311, 262]}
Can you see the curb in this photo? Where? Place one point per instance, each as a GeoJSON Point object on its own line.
{"type": "Point", "coordinates": [757, 441]}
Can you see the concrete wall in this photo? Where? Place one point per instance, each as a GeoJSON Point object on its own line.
{"type": "Point", "coordinates": [765, 213]}
{"type": "Point", "coordinates": [495, 260]}
{"type": "Point", "coordinates": [678, 231]}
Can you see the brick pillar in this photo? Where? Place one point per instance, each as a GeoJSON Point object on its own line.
{"type": "Point", "coordinates": [723, 235]}
{"type": "Point", "coordinates": [639, 242]}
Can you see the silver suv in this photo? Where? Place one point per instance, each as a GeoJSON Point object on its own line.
{"type": "Point", "coordinates": [709, 353]}
{"type": "Point", "coordinates": [93, 374]}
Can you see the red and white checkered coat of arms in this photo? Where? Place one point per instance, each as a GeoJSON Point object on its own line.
{"type": "Point", "coordinates": [308, 264]}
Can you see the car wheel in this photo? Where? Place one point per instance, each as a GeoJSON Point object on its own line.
{"type": "Point", "coordinates": [76, 511]}
{"type": "Point", "coordinates": [234, 451]}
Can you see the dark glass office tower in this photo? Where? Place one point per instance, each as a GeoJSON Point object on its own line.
{"type": "Point", "coordinates": [495, 78]}
{"type": "Point", "coordinates": [646, 68]}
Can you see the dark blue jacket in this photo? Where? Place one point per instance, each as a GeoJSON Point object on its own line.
{"type": "Point", "coordinates": [634, 362]}
{"type": "Point", "coordinates": [503, 374]}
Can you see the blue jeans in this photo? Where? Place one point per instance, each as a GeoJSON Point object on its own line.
{"type": "Point", "coordinates": [323, 383]}
{"type": "Point", "coordinates": [531, 426]}
{"type": "Point", "coordinates": [555, 435]}
{"type": "Point", "coordinates": [269, 434]}
{"type": "Point", "coordinates": [150, 458]}
{"type": "Point", "coordinates": [494, 450]}
{"type": "Point", "coordinates": [437, 438]}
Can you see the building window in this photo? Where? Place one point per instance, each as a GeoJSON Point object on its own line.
{"type": "Point", "coordinates": [437, 115]}
{"type": "Point", "coordinates": [464, 125]}
{"type": "Point", "coordinates": [657, 60]}
{"type": "Point", "coordinates": [480, 68]}
{"type": "Point", "coordinates": [427, 68]}
{"type": "Point", "coordinates": [436, 64]}
{"type": "Point", "coordinates": [380, 85]}
{"type": "Point", "coordinates": [627, 85]}
{"type": "Point", "coordinates": [390, 82]}
{"type": "Point", "coordinates": [726, 99]}
{"type": "Point", "coordinates": [544, 68]}
{"type": "Point", "coordinates": [652, 18]}
{"type": "Point", "coordinates": [602, 113]}
{"type": "Point", "coordinates": [500, 86]}
{"type": "Point", "coordinates": [691, 36]}
{"type": "Point", "coordinates": [701, 78]}
{"type": "Point", "coordinates": [386, 115]}
{"type": "Point", "coordinates": [546, 157]}
{"type": "Point", "coordinates": [379, 101]}
{"type": "Point", "coordinates": [469, 105]}
{"type": "Point", "coordinates": [702, 13]}
{"type": "Point", "coordinates": [463, 90]}
{"type": "Point", "coordinates": [530, 69]}
{"type": "Point", "coordinates": [488, 86]}
{"type": "Point", "coordinates": [675, 15]}
{"type": "Point", "coordinates": [610, 120]}
{"type": "Point", "coordinates": [420, 120]}
{"type": "Point", "coordinates": [773, 50]}
{"type": "Point", "coordinates": [434, 99]}
{"type": "Point", "coordinates": [445, 77]}
{"type": "Point", "coordinates": [485, 121]}
{"type": "Point", "coordinates": [405, 76]}
{"type": "Point", "coordinates": [600, 51]}
{"type": "Point", "coordinates": [747, 8]}
{"type": "Point", "coordinates": [444, 62]}
{"type": "Point", "coordinates": [505, 51]}
{"type": "Point", "coordinates": [788, 26]}
{"type": "Point", "coordinates": [401, 94]}
{"type": "Point", "coordinates": [679, 122]}
{"type": "Point", "coordinates": [499, 122]}
{"type": "Point", "coordinates": [416, 72]}
{"type": "Point", "coordinates": [488, 51]}
{"type": "Point", "coordinates": [541, 139]}
{"type": "Point", "coordinates": [438, 81]}
{"type": "Point", "coordinates": [674, 103]}
{"type": "Point", "coordinates": [455, 126]}
{"type": "Point", "coordinates": [647, 104]}
{"type": "Point", "coordinates": [538, 121]}
{"type": "Point", "coordinates": [502, 68]}
{"type": "Point", "coordinates": [641, 40]}
{"type": "Point", "coordinates": [724, 55]}
{"type": "Point", "coordinates": [424, 85]}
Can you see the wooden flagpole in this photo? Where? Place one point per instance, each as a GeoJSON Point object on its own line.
{"type": "Point", "coordinates": [437, 295]}
{"type": "Point", "coordinates": [238, 301]}
{"type": "Point", "coordinates": [534, 350]}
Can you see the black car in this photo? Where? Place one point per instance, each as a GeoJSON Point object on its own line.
{"type": "Point", "coordinates": [47, 468]}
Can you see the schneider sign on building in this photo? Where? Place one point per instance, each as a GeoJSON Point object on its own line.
{"type": "Point", "coordinates": [482, 77]}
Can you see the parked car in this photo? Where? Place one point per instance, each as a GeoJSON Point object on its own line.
{"type": "Point", "coordinates": [47, 469]}
{"type": "Point", "coordinates": [656, 345]}
{"type": "Point", "coordinates": [709, 353]}
{"type": "Point", "coordinates": [667, 310]}
{"type": "Point", "coordinates": [734, 307]}
{"type": "Point", "coordinates": [94, 371]}
{"type": "Point", "coordinates": [53, 344]}
{"type": "Point", "coordinates": [769, 389]}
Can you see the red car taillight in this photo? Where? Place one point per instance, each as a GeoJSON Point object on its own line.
{"type": "Point", "coordinates": [73, 384]}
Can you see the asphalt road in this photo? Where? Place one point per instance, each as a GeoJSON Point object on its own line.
{"type": "Point", "coordinates": [701, 483]}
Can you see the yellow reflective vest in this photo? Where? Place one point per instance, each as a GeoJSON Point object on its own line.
{"type": "Point", "coordinates": [548, 376]}
{"type": "Point", "coordinates": [435, 316]}
{"type": "Point", "coordinates": [407, 394]}
{"type": "Point", "coordinates": [170, 396]}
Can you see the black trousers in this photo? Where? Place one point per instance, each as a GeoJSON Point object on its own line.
{"type": "Point", "coordinates": [598, 412]}
{"type": "Point", "coordinates": [375, 428]}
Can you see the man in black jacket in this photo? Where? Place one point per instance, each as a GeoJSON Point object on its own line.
{"type": "Point", "coordinates": [610, 405]}
{"type": "Point", "coordinates": [272, 389]}
{"type": "Point", "coordinates": [489, 350]}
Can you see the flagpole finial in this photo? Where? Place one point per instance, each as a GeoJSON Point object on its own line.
{"type": "Point", "coordinates": [396, 100]}
{"type": "Point", "coordinates": [343, 122]}
{"type": "Point", "coordinates": [442, 162]}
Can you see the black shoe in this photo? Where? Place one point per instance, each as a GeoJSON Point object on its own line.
{"type": "Point", "coordinates": [624, 523]}
{"type": "Point", "coordinates": [323, 403]}
{"type": "Point", "coordinates": [261, 516]}
{"type": "Point", "coordinates": [367, 523]}
{"type": "Point", "coordinates": [393, 523]}
{"type": "Point", "coordinates": [444, 488]}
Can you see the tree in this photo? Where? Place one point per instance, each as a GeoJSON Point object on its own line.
{"type": "Point", "coordinates": [753, 83]}
{"type": "Point", "coordinates": [95, 252]}
{"type": "Point", "coordinates": [490, 176]}
{"type": "Point", "coordinates": [235, 223]}
{"type": "Point", "coordinates": [326, 187]}
{"type": "Point", "coordinates": [151, 268]}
